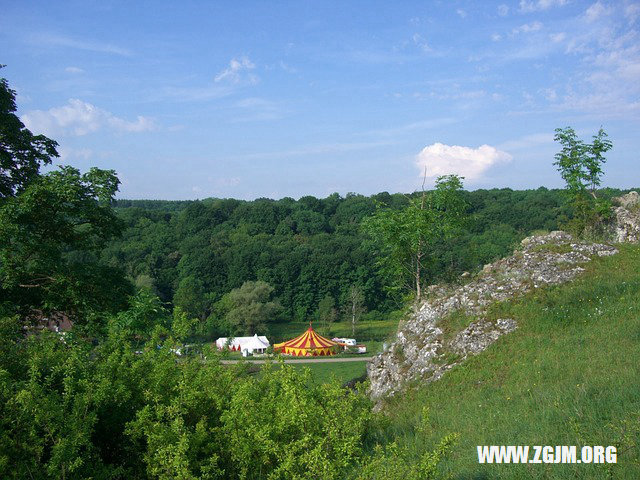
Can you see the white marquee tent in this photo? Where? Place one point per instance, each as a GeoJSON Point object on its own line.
{"type": "Point", "coordinates": [246, 345]}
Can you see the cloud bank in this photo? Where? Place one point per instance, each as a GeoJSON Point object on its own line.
{"type": "Point", "coordinates": [471, 163]}
{"type": "Point", "coordinates": [80, 118]}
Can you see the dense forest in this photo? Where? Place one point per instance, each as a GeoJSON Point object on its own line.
{"type": "Point", "coordinates": [192, 253]}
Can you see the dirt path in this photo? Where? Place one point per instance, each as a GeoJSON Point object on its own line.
{"type": "Point", "coordinates": [302, 360]}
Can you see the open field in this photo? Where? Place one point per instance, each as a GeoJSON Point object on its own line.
{"type": "Point", "coordinates": [568, 376]}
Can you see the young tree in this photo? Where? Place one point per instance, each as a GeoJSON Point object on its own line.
{"type": "Point", "coordinates": [405, 237]}
{"type": "Point", "coordinates": [580, 166]}
{"type": "Point", "coordinates": [355, 307]}
{"type": "Point", "coordinates": [326, 313]}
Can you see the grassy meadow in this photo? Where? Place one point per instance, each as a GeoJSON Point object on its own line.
{"type": "Point", "coordinates": [570, 375]}
{"type": "Point", "coordinates": [343, 372]}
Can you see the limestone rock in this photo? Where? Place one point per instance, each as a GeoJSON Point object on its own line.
{"type": "Point", "coordinates": [423, 352]}
{"type": "Point", "coordinates": [626, 228]}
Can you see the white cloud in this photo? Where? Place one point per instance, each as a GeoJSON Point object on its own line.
{"type": "Point", "coordinates": [632, 12]}
{"type": "Point", "coordinates": [225, 182]}
{"type": "Point", "coordinates": [528, 142]}
{"type": "Point", "coordinates": [550, 94]}
{"type": "Point", "coordinates": [67, 153]}
{"type": "Point", "coordinates": [461, 13]}
{"type": "Point", "coordinates": [557, 37]}
{"type": "Point", "coordinates": [53, 40]}
{"type": "Point", "coordinates": [608, 85]}
{"type": "Point", "coordinates": [471, 163]}
{"type": "Point", "coordinates": [496, 37]}
{"type": "Point", "coordinates": [536, 6]}
{"type": "Point", "coordinates": [73, 70]}
{"type": "Point", "coordinates": [234, 73]}
{"type": "Point", "coordinates": [80, 118]}
{"type": "Point", "coordinates": [421, 42]}
{"type": "Point", "coordinates": [503, 10]}
{"type": "Point", "coordinates": [595, 12]}
{"type": "Point", "coordinates": [527, 28]}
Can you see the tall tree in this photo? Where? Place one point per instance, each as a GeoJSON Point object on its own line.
{"type": "Point", "coordinates": [52, 226]}
{"type": "Point", "coordinates": [580, 165]}
{"type": "Point", "coordinates": [355, 306]}
{"type": "Point", "coordinates": [21, 152]}
{"type": "Point", "coordinates": [406, 237]}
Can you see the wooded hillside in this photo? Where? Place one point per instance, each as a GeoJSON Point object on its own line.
{"type": "Point", "coordinates": [192, 253]}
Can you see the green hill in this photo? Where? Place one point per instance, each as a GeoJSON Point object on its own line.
{"type": "Point", "coordinates": [569, 375]}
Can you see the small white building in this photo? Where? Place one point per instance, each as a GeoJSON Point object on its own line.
{"type": "Point", "coordinates": [246, 345]}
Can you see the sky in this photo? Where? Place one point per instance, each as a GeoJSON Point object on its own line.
{"type": "Point", "coordinates": [197, 99]}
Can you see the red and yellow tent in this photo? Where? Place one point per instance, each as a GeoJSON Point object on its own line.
{"type": "Point", "coordinates": [309, 344]}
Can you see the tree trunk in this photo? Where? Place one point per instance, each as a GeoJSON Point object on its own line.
{"type": "Point", "coordinates": [353, 319]}
{"type": "Point", "coordinates": [418, 292]}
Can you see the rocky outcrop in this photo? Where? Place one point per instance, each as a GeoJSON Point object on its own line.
{"type": "Point", "coordinates": [626, 226]}
{"type": "Point", "coordinates": [426, 346]}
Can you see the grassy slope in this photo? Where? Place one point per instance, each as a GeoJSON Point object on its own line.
{"type": "Point", "coordinates": [570, 375]}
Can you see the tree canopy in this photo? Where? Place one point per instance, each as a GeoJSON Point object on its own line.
{"type": "Point", "coordinates": [21, 152]}
{"type": "Point", "coordinates": [406, 239]}
{"type": "Point", "coordinates": [581, 167]}
{"type": "Point", "coordinates": [53, 226]}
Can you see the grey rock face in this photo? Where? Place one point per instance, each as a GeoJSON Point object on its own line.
{"type": "Point", "coordinates": [423, 351]}
{"type": "Point", "coordinates": [627, 219]}
{"type": "Point", "coordinates": [631, 199]}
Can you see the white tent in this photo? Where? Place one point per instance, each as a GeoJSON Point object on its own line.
{"type": "Point", "coordinates": [246, 345]}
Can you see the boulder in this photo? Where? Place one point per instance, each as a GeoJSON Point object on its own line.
{"type": "Point", "coordinates": [626, 226]}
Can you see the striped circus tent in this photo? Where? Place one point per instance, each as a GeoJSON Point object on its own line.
{"type": "Point", "coordinates": [309, 344]}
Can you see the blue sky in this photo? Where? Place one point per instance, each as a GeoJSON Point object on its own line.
{"type": "Point", "coordinates": [197, 99]}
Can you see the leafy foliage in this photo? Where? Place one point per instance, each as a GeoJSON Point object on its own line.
{"type": "Point", "coordinates": [250, 308]}
{"type": "Point", "coordinates": [52, 227]}
{"type": "Point", "coordinates": [406, 238]}
{"type": "Point", "coordinates": [580, 166]}
{"type": "Point", "coordinates": [70, 410]}
{"type": "Point", "coordinates": [21, 152]}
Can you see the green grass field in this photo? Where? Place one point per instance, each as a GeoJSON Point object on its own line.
{"type": "Point", "coordinates": [372, 334]}
{"type": "Point", "coordinates": [570, 375]}
{"type": "Point", "coordinates": [343, 372]}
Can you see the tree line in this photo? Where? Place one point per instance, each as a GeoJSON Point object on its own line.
{"type": "Point", "coordinates": [308, 250]}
